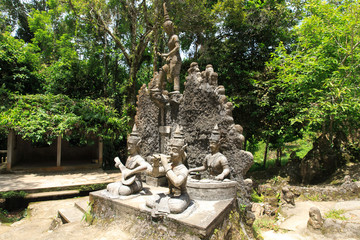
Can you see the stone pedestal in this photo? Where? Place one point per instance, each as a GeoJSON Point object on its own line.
{"type": "Point", "coordinates": [198, 221]}
{"type": "Point", "coordinates": [211, 190]}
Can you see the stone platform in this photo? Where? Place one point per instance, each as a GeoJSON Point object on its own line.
{"type": "Point", "coordinates": [199, 220]}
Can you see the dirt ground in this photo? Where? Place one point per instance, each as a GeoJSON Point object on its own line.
{"type": "Point", "coordinates": [36, 226]}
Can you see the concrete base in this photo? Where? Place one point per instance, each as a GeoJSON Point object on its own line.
{"type": "Point", "coordinates": [199, 219]}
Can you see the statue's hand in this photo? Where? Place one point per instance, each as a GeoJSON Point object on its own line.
{"type": "Point", "coordinates": [220, 177]}
{"type": "Point", "coordinates": [164, 161]}
{"type": "Point", "coordinates": [117, 162]}
{"type": "Point", "coordinates": [126, 173]}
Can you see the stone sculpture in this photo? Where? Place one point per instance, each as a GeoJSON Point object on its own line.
{"type": "Point", "coordinates": [215, 162]}
{"type": "Point", "coordinates": [287, 196]}
{"type": "Point", "coordinates": [173, 60]}
{"type": "Point", "coordinates": [135, 164]}
{"type": "Point", "coordinates": [177, 200]}
{"type": "Point", "coordinates": [315, 219]}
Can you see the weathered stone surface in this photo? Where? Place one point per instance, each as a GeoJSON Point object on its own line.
{"type": "Point", "coordinates": [315, 221]}
{"type": "Point", "coordinates": [147, 122]}
{"type": "Point", "coordinates": [211, 190]}
{"type": "Point", "coordinates": [202, 105]}
{"type": "Point", "coordinates": [197, 222]}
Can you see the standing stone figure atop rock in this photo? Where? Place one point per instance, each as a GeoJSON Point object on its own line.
{"type": "Point", "coordinates": [173, 60]}
{"type": "Point", "coordinates": [130, 180]}
{"type": "Point", "coordinates": [215, 162]}
{"type": "Point", "coordinates": [176, 172]}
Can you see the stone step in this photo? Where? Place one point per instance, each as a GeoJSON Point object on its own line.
{"type": "Point", "coordinates": [52, 195]}
{"type": "Point", "coordinates": [69, 215]}
{"type": "Point", "coordinates": [83, 206]}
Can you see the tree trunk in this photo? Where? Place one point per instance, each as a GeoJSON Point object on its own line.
{"type": "Point", "coordinates": [278, 157]}
{"type": "Point", "coordinates": [266, 151]}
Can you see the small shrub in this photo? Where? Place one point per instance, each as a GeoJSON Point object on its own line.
{"type": "Point", "coordinates": [256, 198]}
{"type": "Point", "coordinates": [336, 214]}
{"type": "Point", "coordinates": [13, 194]}
{"type": "Point", "coordinates": [266, 223]}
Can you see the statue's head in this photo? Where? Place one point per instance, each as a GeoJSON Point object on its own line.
{"type": "Point", "coordinates": [214, 79]}
{"type": "Point", "coordinates": [215, 139]}
{"type": "Point", "coordinates": [168, 24]}
{"type": "Point", "coordinates": [177, 145]}
{"type": "Point", "coordinates": [133, 141]}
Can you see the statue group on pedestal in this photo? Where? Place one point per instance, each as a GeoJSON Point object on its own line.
{"type": "Point", "coordinates": [170, 162]}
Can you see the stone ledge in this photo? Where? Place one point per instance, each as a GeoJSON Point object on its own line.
{"type": "Point", "coordinates": [200, 219]}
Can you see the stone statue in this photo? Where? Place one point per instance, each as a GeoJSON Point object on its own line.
{"type": "Point", "coordinates": [315, 220]}
{"type": "Point", "coordinates": [173, 60]}
{"type": "Point", "coordinates": [177, 200]}
{"type": "Point", "coordinates": [130, 180]}
{"type": "Point", "coordinates": [215, 162]}
{"type": "Point", "coordinates": [287, 196]}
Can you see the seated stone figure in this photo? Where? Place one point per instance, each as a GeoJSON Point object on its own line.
{"type": "Point", "coordinates": [215, 162]}
{"type": "Point", "coordinates": [130, 181]}
{"type": "Point", "coordinates": [177, 200]}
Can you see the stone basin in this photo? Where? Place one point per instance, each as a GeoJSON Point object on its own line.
{"type": "Point", "coordinates": [211, 190]}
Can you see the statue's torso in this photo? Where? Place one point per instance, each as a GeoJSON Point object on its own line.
{"type": "Point", "coordinates": [214, 164]}
{"type": "Point", "coordinates": [172, 44]}
{"type": "Point", "coordinates": [179, 170]}
{"type": "Point", "coordinates": [132, 162]}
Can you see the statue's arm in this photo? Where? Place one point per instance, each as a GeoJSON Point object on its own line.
{"type": "Point", "coordinates": [142, 165]}
{"type": "Point", "coordinates": [177, 180]}
{"type": "Point", "coordinates": [226, 169]}
{"type": "Point", "coordinates": [200, 169]}
{"type": "Point", "coordinates": [174, 50]}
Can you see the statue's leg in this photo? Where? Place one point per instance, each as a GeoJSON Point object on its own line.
{"type": "Point", "coordinates": [166, 72]}
{"type": "Point", "coordinates": [113, 188]}
{"type": "Point", "coordinates": [175, 67]}
{"type": "Point", "coordinates": [179, 204]}
{"type": "Point", "coordinates": [150, 202]}
{"type": "Point", "coordinates": [125, 190]}
{"type": "Point", "coordinates": [177, 83]}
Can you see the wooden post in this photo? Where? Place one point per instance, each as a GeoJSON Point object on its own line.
{"type": "Point", "coordinates": [10, 149]}
{"type": "Point", "coordinates": [101, 151]}
{"type": "Point", "coordinates": [58, 152]}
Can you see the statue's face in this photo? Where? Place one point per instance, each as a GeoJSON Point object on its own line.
{"type": "Point", "coordinates": [214, 146]}
{"type": "Point", "coordinates": [174, 151]}
{"type": "Point", "coordinates": [132, 148]}
{"type": "Point", "coordinates": [168, 27]}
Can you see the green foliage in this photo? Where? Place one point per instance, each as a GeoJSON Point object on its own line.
{"type": "Point", "coordinates": [20, 66]}
{"type": "Point", "coordinates": [41, 118]}
{"type": "Point", "coordinates": [336, 214]}
{"type": "Point", "coordinates": [13, 194]}
{"type": "Point", "coordinates": [6, 217]}
{"type": "Point", "coordinates": [266, 223]}
{"type": "Point", "coordinates": [255, 197]}
{"type": "Point", "coordinates": [93, 187]}
{"type": "Point", "coordinates": [319, 80]}
{"type": "Point", "coordinates": [88, 216]}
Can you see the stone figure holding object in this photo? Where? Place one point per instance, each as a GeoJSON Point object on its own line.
{"type": "Point", "coordinates": [172, 165]}
{"type": "Point", "coordinates": [171, 70]}
{"type": "Point", "coordinates": [135, 164]}
{"type": "Point", "coordinates": [215, 162]}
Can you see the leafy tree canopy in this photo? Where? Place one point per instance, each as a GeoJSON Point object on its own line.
{"type": "Point", "coordinates": [319, 79]}
{"type": "Point", "coordinates": [41, 118]}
